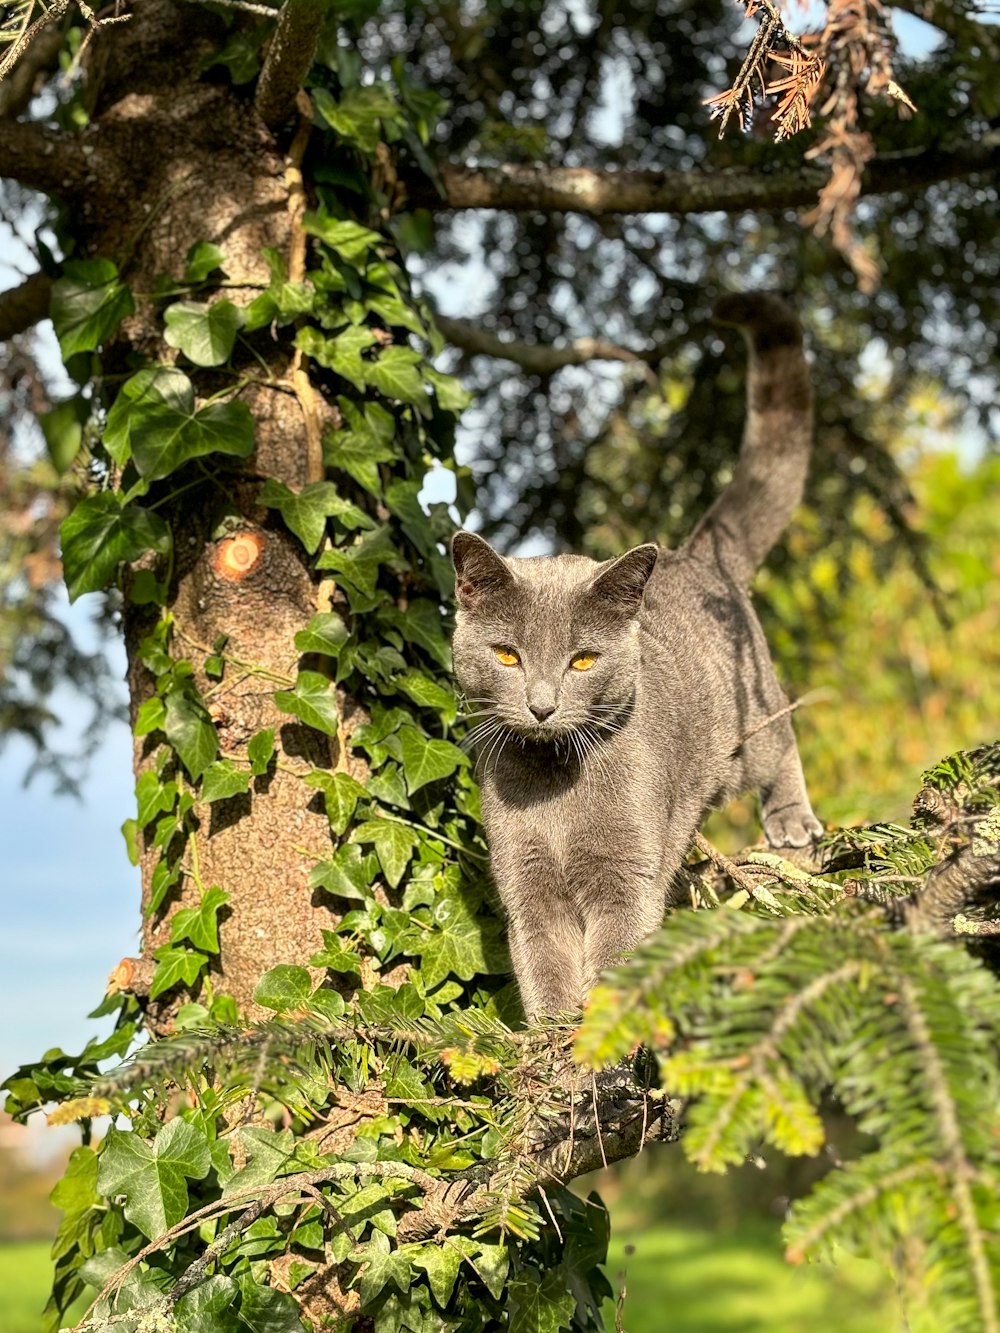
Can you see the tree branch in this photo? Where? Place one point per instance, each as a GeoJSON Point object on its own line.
{"type": "Point", "coordinates": [292, 49]}
{"type": "Point", "coordinates": [48, 161]}
{"type": "Point", "coordinates": [41, 57]}
{"type": "Point", "coordinates": [22, 307]}
{"type": "Point", "coordinates": [572, 1155]}
{"type": "Point", "coordinates": [537, 188]}
{"type": "Point", "coordinates": [538, 358]}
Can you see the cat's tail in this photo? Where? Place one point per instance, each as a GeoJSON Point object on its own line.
{"type": "Point", "coordinates": [751, 513]}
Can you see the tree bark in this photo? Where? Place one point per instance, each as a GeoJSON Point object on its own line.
{"type": "Point", "coordinates": [536, 188]}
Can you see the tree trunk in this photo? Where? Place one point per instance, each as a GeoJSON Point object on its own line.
{"type": "Point", "coordinates": [190, 162]}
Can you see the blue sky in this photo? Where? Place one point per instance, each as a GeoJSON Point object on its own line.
{"type": "Point", "coordinates": [69, 901]}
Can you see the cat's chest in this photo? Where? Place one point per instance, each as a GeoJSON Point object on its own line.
{"type": "Point", "coordinates": [562, 810]}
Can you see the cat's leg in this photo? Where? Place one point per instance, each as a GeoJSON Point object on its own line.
{"type": "Point", "coordinates": [785, 809]}
{"type": "Point", "coordinates": [545, 936]}
{"type": "Point", "coordinates": [623, 901]}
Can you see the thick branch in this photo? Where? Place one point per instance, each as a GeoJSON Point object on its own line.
{"type": "Point", "coordinates": [967, 877]}
{"type": "Point", "coordinates": [292, 49]}
{"type": "Point", "coordinates": [538, 358]}
{"type": "Point", "coordinates": [571, 1156]}
{"type": "Point", "coordinates": [48, 161]}
{"type": "Point", "coordinates": [599, 192]}
{"type": "Point", "coordinates": [22, 307]}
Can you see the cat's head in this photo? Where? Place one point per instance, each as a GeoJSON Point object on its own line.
{"type": "Point", "coordinates": [550, 644]}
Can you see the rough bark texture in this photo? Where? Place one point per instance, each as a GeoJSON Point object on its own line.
{"type": "Point", "coordinates": [190, 161]}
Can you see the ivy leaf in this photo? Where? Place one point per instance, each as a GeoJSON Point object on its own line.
{"type": "Point", "coordinates": [188, 728]}
{"type": "Point", "coordinates": [210, 1308]}
{"type": "Point", "coordinates": [344, 874]}
{"type": "Point", "coordinates": [62, 427]}
{"type": "Point", "coordinates": [313, 701]}
{"type": "Point", "coordinates": [205, 333]}
{"type": "Point", "coordinates": [266, 1151]}
{"type": "Point", "coordinates": [307, 511]}
{"type": "Point", "coordinates": [427, 760]}
{"type": "Point", "coordinates": [202, 259]}
{"type": "Point", "coordinates": [349, 239]}
{"type": "Point", "coordinates": [395, 375]}
{"type": "Point", "coordinates": [359, 564]}
{"type": "Point", "coordinates": [462, 944]}
{"type": "Point", "coordinates": [222, 780]}
{"type": "Point", "coordinates": [382, 1265]}
{"type": "Point", "coordinates": [422, 690]}
{"type": "Point", "coordinates": [341, 354]}
{"type": "Point", "coordinates": [174, 966]}
{"type": "Point", "coordinates": [441, 1264]}
{"type": "Point", "coordinates": [153, 796]}
{"type": "Point", "coordinates": [341, 793]}
{"type": "Point", "coordinates": [394, 845]}
{"type": "Point", "coordinates": [89, 301]}
{"type": "Point", "coordinates": [75, 1194]}
{"type": "Point", "coordinates": [540, 1305]}
{"type": "Point", "coordinates": [492, 1264]}
{"type": "Point", "coordinates": [283, 987]}
{"type": "Point", "coordinates": [357, 116]}
{"type": "Point", "coordinates": [153, 1177]}
{"type": "Point", "coordinates": [452, 396]}
{"type": "Point", "coordinates": [326, 633]}
{"type": "Point", "coordinates": [422, 623]}
{"type": "Point", "coordinates": [200, 924]}
{"type": "Point", "coordinates": [260, 751]}
{"type": "Point", "coordinates": [154, 384]}
{"type": "Point", "coordinates": [366, 442]}
{"type": "Point", "coordinates": [100, 534]}
{"type": "Point", "coordinates": [335, 955]}
{"type": "Point", "coordinates": [266, 1309]}
{"type": "Point", "coordinates": [151, 716]}
{"type": "Point", "coordinates": [395, 311]}
{"type": "Point", "coordinates": [166, 436]}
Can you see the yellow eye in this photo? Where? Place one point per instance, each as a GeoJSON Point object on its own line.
{"type": "Point", "coordinates": [506, 656]}
{"type": "Point", "coordinates": [583, 661]}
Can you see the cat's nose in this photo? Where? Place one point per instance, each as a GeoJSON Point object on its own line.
{"type": "Point", "coordinates": [541, 711]}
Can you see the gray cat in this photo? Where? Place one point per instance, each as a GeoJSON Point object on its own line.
{"type": "Point", "coordinates": [622, 700]}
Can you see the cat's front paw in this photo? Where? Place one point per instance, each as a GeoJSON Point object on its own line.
{"type": "Point", "coordinates": [794, 826]}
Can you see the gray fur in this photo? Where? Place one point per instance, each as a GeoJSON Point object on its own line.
{"type": "Point", "coordinates": [595, 782]}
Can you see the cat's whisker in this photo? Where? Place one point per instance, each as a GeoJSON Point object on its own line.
{"type": "Point", "coordinates": [480, 732]}
{"type": "Point", "coordinates": [500, 735]}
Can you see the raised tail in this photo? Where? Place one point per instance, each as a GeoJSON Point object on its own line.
{"type": "Point", "coordinates": [751, 513]}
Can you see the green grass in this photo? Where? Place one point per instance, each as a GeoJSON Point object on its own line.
{"type": "Point", "coordinates": [683, 1279]}
{"type": "Point", "coordinates": [679, 1279]}
{"type": "Point", "coordinates": [24, 1285]}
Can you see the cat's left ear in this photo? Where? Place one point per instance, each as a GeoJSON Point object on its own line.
{"type": "Point", "coordinates": [479, 570]}
{"type": "Point", "coordinates": [623, 581]}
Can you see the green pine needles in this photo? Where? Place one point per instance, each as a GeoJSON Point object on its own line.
{"type": "Point", "coordinates": [763, 1017]}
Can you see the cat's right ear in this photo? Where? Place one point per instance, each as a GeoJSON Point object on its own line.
{"type": "Point", "coordinates": [480, 572]}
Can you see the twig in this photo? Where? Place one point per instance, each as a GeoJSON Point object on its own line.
{"type": "Point", "coordinates": [814, 696]}
{"type": "Point", "coordinates": [724, 864]}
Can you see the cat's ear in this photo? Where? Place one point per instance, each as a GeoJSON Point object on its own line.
{"type": "Point", "coordinates": [480, 572]}
{"type": "Point", "coordinates": [623, 581]}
